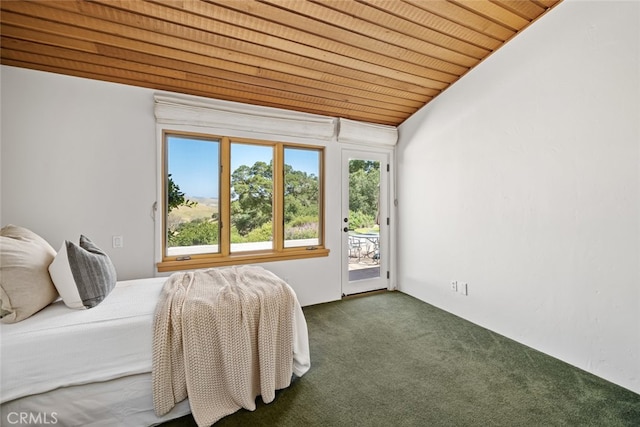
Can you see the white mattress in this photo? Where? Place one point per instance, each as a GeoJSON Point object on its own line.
{"type": "Point", "coordinates": [123, 402]}
{"type": "Point", "coordinates": [111, 340]}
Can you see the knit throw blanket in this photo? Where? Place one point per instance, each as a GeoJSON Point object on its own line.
{"type": "Point", "coordinates": [222, 337]}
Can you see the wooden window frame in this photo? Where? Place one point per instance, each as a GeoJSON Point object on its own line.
{"type": "Point", "coordinates": [225, 257]}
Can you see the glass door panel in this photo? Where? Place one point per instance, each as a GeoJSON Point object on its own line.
{"type": "Point", "coordinates": [365, 231]}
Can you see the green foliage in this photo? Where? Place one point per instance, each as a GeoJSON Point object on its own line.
{"type": "Point", "coordinates": [236, 237]}
{"type": "Point", "coordinates": [303, 227]}
{"type": "Point", "coordinates": [175, 197]}
{"type": "Point", "coordinates": [251, 208]}
{"type": "Point", "coordinates": [252, 199]}
{"type": "Point", "coordinates": [196, 232]}
{"type": "Point", "coordinates": [252, 195]}
{"type": "Point", "coordinates": [301, 194]}
{"type": "Point", "coordinates": [364, 191]}
{"type": "Point", "coordinates": [302, 221]}
{"type": "Point", "coordinates": [264, 233]}
{"type": "Point", "coordinates": [366, 230]}
{"type": "Point", "coordinates": [364, 165]}
{"type": "Point", "coordinates": [358, 219]}
{"type": "Point", "coordinates": [302, 230]}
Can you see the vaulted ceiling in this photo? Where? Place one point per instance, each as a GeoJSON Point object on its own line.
{"type": "Point", "coordinates": [370, 60]}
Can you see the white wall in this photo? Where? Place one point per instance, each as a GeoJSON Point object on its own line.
{"type": "Point", "coordinates": [523, 180]}
{"type": "Point", "coordinates": [79, 156]}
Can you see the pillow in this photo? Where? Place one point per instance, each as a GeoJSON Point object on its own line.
{"type": "Point", "coordinates": [25, 284]}
{"type": "Point", "coordinates": [84, 275]}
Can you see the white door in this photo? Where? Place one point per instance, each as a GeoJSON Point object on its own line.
{"type": "Point", "coordinates": [365, 219]}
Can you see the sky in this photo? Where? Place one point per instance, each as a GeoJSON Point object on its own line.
{"type": "Point", "coordinates": [193, 163]}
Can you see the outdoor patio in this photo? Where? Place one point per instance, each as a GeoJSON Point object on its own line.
{"type": "Point", "coordinates": [364, 257]}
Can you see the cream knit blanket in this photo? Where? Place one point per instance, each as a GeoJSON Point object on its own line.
{"type": "Point", "coordinates": [222, 337]}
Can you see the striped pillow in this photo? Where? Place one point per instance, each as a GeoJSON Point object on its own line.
{"type": "Point", "coordinates": [83, 275]}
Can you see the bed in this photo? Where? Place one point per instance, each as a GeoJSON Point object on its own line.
{"type": "Point", "coordinates": [92, 367]}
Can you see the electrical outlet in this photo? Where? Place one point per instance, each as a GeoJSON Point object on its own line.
{"type": "Point", "coordinates": [454, 286]}
{"type": "Point", "coordinates": [464, 288]}
{"type": "Point", "coordinates": [117, 241]}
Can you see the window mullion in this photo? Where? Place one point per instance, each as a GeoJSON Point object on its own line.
{"type": "Point", "coordinates": [225, 196]}
{"type": "Point", "coordinates": [278, 198]}
{"type": "Point", "coordinates": [321, 201]}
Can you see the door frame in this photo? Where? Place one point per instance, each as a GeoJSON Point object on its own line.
{"type": "Point", "coordinates": [387, 235]}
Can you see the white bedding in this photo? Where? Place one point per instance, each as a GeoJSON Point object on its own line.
{"type": "Point", "coordinates": [61, 347]}
{"type": "Point", "coordinates": [122, 402]}
{"type": "Point", "coordinates": [93, 367]}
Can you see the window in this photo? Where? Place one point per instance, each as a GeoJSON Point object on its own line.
{"type": "Point", "coordinates": [193, 220]}
{"type": "Point", "coordinates": [302, 201]}
{"type": "Point", "coordinates": [234, 201]}
{"type": "Point", "coordinates": [251, 197]}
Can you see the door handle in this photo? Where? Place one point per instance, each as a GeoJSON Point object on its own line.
{"type": "Point", "coordinates": [346, 229]}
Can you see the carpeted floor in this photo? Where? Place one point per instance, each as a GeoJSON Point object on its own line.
{"type": "Point", "coordinates": [388, 359]}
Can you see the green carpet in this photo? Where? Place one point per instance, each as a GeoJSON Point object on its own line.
{"type": "Point", "coordinates": [388, 359]}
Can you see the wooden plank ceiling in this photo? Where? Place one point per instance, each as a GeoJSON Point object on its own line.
{"type": "Point", "coordinates": [371, 60]}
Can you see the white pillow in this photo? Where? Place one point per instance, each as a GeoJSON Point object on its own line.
{"type": "Point", "coordinates": [25, 284]}
{"type": "Point", "coordinates": [83, 275]}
